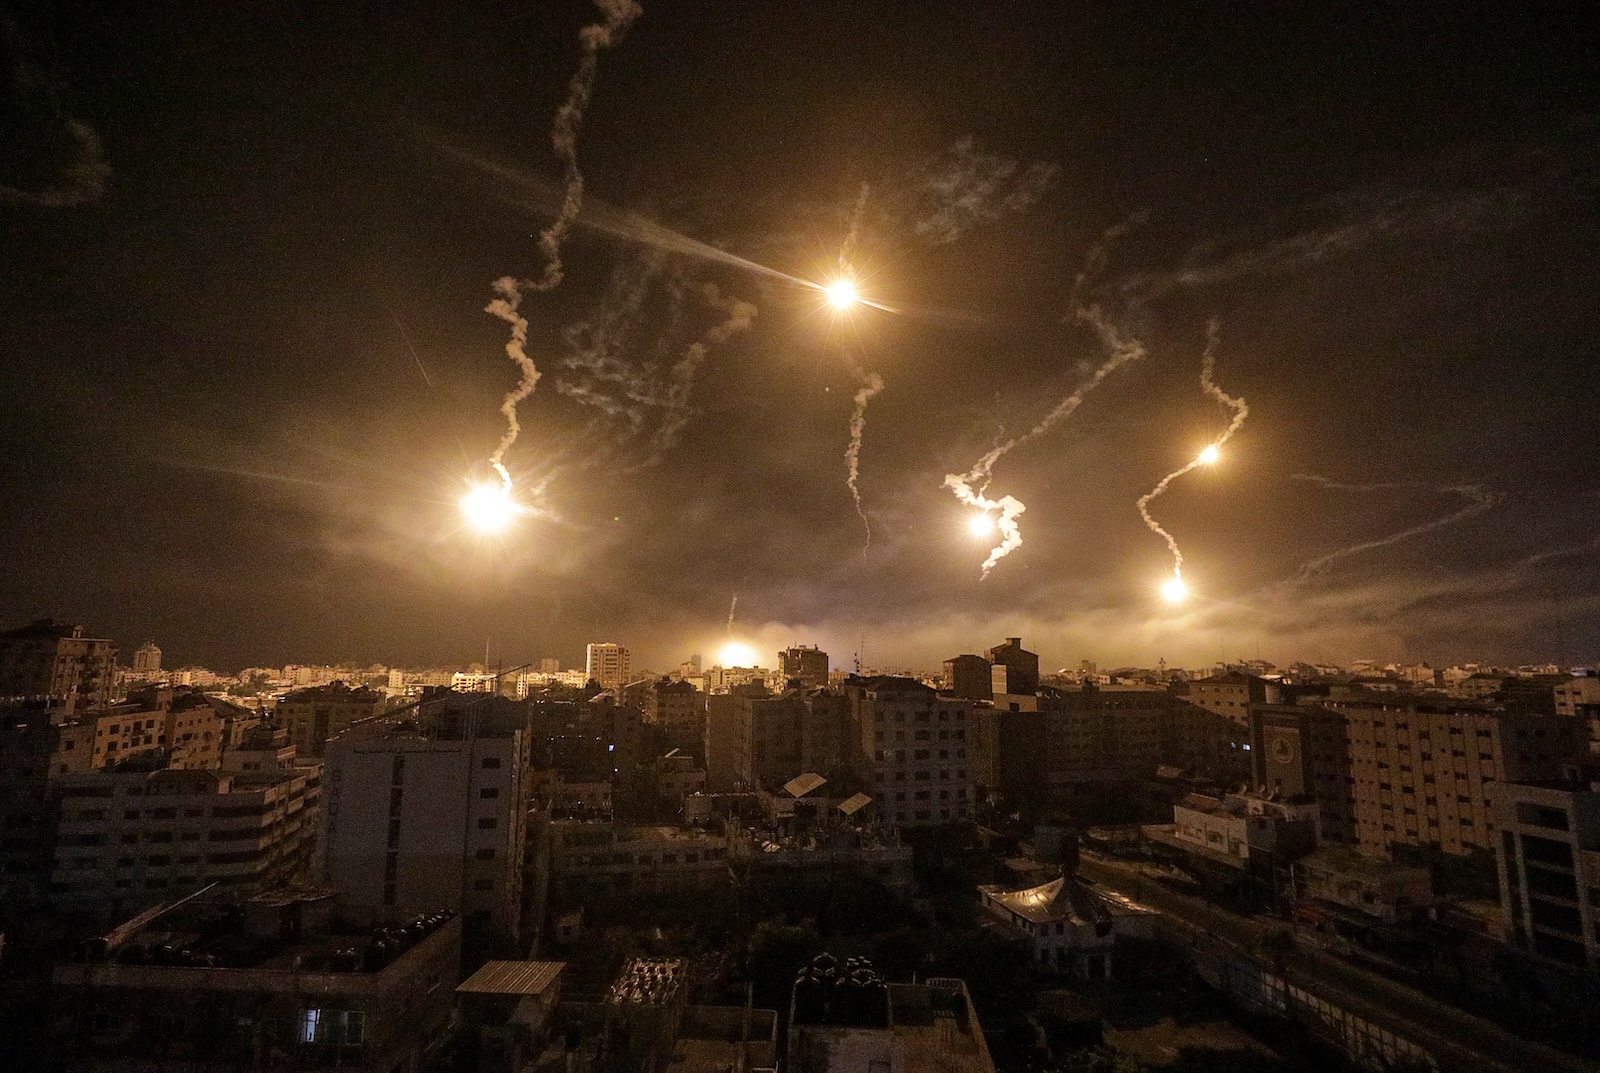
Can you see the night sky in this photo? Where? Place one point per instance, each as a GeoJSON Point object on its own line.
{"type": "Point", "coordinates": [245, 251]}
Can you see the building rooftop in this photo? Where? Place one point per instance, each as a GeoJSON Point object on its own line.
{"type": "Point", "coordinates": [513, 978]}
{"type": "Point", "coordinates": [1063, 898]}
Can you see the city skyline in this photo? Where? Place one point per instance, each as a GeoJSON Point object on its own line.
{"type": "Point", "coordinates": [246, 313]}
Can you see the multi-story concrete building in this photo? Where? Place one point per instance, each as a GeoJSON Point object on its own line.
{"type": "Point", "coordinates": [147, 660]}
{"type": "Point", "coordinates": [1579, 698]}
{"type": "Point", "coordinates": [728, 723]}
{"type": "Point", "coordinates": [1230, 695]}
{"type": "Point", "coordinates": [29, 745]}
{"type": "Point", "coordinates": [916, 741]}
{"type": "Point", "coordinates": [1298, 752]}
{"type": "Point", "coordinates": [1548, 857]}
{"type": "Point", "coordinates": [969, 676]}
{"type": "Point", "coordinates": [607, 663]}
{"type": "Point", "coordinates": [417, 818]}
{"type": "Point", "coordinates": [1203, 743]}
{"type": "Point", "coordinates": [806, 664]}
{"type": "Point", "coordinates": [1574, 693]}
{"type": "Point", "coordinates": [777, 738]}
{"type": "Point", "coordinates": [312, 716]}
{"type": "Point", "coordinates": [142, 833]}
{"type": "Point", "coordinates": [292, 988]}
{"type": "Point", "coordinates": [1096, 734]}
{"type": "Point", "coordinates": [51, 659]}
{"type": "Point", "coordinates": [601, 859]}
{"type": "Point", "coordinates": [187, 728]}
{"type": "Point", "coordinates": [678, 709]}
{"type": "Point", "coordinates": [1005, 752]}
{"type": "Point", "coordinates": [1422, 769]}
{"type": "Point", "coordinates": [1013, 669]}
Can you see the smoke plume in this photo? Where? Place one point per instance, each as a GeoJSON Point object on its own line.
{"type": "Point", "coordinates": [970, 187]}
{"type": "Point", "coordinates": [970, 487]}
{"type": "Point", "coordinates": [618, 16]}
{"type": "Point", "coordinates": [1478, 500]}
{"type": "Point", "coordinates": [871, 384]}
{"type": "Point", "coordinates": [1208, 367]}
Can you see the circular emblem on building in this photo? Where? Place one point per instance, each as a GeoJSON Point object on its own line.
{"type": "Point", "coordinates": [1283, 750]}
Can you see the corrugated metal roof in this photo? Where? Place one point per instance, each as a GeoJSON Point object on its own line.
{"type": "Point", "coordinates": [801, 785]}
{"type": "Point", "coordinates": [513, 977]}
{"type": "Point", "coordinates": [854, 804]}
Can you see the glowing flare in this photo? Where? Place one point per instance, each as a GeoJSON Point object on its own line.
{"type": "Point", "coordinates": [489, 508]}
{"type": "Point", "coordinates": [1174, 591]}
{"type": "Point", "coordinates": [981, 525]}
{"type": "Point", "coordinates": [735, 654]}
{"type": "Point", "coordinates": [1209, 455]}
{"type": "Point", "coordinates": [842, 294]}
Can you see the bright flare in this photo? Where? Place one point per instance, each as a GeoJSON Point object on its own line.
{"type": "Point", "coordinates": [981, 525]}
{"type": "Point", "coordinates": [842, 294]}
{"type": "Point", "coordinates": [488, 508]}
{"type": "Point", "coordinates": [1174, 591]}
{"type": "Point", "coordinates": [734, 654]}
{"type": "Point", "coordinates": [1209, 455]}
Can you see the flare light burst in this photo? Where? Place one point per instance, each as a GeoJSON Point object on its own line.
{"type": "Point", "coordinates": [489, 508]}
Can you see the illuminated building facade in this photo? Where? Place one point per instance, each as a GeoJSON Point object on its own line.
{"type": "Point", "coordinates": [916, 741]}
{"type": "Point", "coordinates": [51, 659]}
{"type": "Point", "coordinates": [803, 664]}
{"type": "Point", "coordinates": [607, 664]}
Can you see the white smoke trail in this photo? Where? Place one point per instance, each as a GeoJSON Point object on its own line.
{"type": "Point", "coordinates": [848, 249]}
{"type": "Point", "coordinates": [1208, 368]}
{"type": "Point", "coordinates": [871, 384]}
{"type": "Point", "coordinates": [618, 16]}
{"type": "Point", "coordinates": [1478, 500]}
{"type": "Point", "coordinates": [1122, 349]}
{"type": "Point", "coordinates": [970, 187]}
{"type": "Point", "coordinates": [602, 377]}
{"type": "Point", "coordinates": [740, 315]}
{"type": "Point", "coordinates": [732, 607]}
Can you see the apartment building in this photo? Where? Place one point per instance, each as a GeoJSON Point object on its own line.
{"type": "Point", "coordinates": [142, 833]}
{"type": "Point", "coordinates": [312, 716]}
{"type": "Point", "coordinates": [917, 742]}
{"type": "Point", "coordinates": [1096, 734]}
{"type": "Point", "coordinates": [1548, 857]}
{"type": "Point", "coordinates": [1420, 772]}
{"type": "Point", "coordinates": [419, 818]}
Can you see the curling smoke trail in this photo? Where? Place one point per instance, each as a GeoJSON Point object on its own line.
{"type": "Point", "coordinates": [732, 607]}
{"type": "Point", "coordinates": [969, 487]}
{"type": "Point", "coordinates": [740, 315]}
{"type": "Point", "coordinates": [618, 16]}
{"type": "Point", "coordinates": [1208, 368]}
{"type": "Point", "coordinates": [871, 384]}
{"type": "Point", "coordinates": [1478, 501]}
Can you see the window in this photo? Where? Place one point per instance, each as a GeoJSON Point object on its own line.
{"type": "Point", "coordinates": [488, 823]}
{"type": "Point", "coordinates": [490, 763]}
{"type": "Point", "coordinates": [333, 1027]}
{"type": "Point", "coordinates": [486, 854]}
{"type": "Point", "coordinates": [489, 791]}
{"type": "Point", "coordinates": [483, 884]}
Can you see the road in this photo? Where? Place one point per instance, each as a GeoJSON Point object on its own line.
{"type": "Point", "coordinates": [1456, 1038]}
